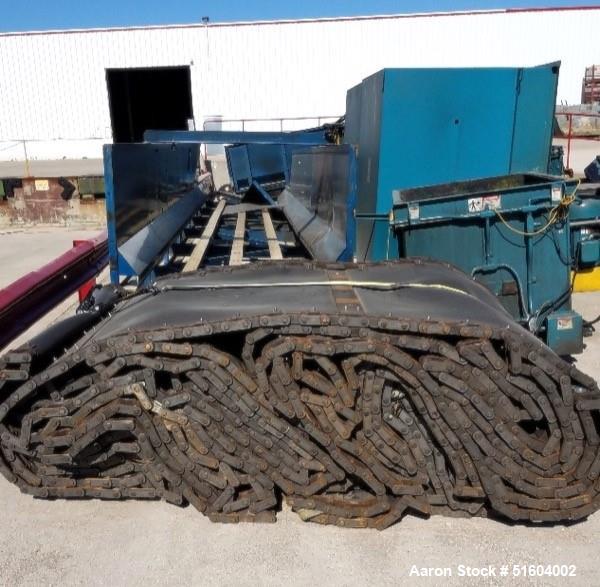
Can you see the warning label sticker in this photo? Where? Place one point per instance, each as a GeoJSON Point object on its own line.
{"type": "Point", "coordinates": [485, 203]}
{"type": "Point", "coordinates": [564, 324]}
{"type": "Point", "coordinates": [557, 193]}
{"type": "Point", "coordinates": [413, 212]}
{"type": "Point", "coordinates": [475, 204]}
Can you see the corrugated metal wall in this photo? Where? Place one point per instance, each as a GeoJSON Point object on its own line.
{"type": "Point", "coordinates": [54, 86]}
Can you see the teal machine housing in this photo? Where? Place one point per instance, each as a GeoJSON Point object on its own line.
{"type": "Point", "coordinates": [511, 233]}
{"type": "Point", "coordinates": [585, 226]}
{"type": "Point", "coordinates": [418, 127]}
{"type": "Point", "coordinates": [585, 219]}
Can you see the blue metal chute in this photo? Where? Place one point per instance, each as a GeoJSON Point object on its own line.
{"type": "Point", "coordinates": [320, 201]}
{"type": "Point", "coordinates": [152, 191]}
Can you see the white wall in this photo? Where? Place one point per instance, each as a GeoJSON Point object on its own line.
{"type": "Point", "coordinates": [54, 89]}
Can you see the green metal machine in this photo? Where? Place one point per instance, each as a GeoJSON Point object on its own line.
{"type": "Point", "coordinates": [511, 233]}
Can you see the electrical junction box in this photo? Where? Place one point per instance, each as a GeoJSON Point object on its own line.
{"type": "Point", "coordinates": [564, 332]}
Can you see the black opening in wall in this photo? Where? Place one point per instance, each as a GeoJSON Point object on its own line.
{"type": "Point", "coordinates": [140, 99]}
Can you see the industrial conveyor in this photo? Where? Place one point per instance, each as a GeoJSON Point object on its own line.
{"type": "Point", "coordinates": [244, 353]}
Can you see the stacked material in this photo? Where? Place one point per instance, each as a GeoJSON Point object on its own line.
{"type": "Point", "coordinates": [590, 91]}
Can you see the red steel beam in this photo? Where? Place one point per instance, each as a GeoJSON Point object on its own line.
{"type": "Point", "coordinates": [26, 300]}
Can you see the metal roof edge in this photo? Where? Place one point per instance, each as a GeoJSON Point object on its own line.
{"type": "Point", "coordinates": [298, 21]}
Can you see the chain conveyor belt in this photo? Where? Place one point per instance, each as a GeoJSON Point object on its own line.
{"type": "Point", "coordinates": [356, 393]}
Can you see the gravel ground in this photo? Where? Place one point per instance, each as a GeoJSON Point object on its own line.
{"type": "Point", "coordinates": [139, 543]}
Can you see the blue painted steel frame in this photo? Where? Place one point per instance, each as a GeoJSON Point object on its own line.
{"type": "Point", "coordinates": [111, 228]}
{"type": "Point", "coordinates": [224, 137]}
{"type": "Point", "coordinates": [352, 203]}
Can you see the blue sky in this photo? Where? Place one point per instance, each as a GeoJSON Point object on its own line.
{"type": "Point", "coordinates": [22, 15]}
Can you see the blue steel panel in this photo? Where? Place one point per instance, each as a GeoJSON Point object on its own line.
{"type": "Point", "coordinates": [238, 164]}
{"type": "Point", "coordinates": [146, 185]}
{"type": "Point", "coordinates": [534, 118]}
{"type": "Point", "coordinates": [463, 131]}
{"type": "Point", "coordinates": [354, 113]}
{"type": "Point", "coordinates": [263, 163]}
{"type": "Point", "coordinates": [267, 162]}
{"type": "Point", "coordinates": [363, 130]}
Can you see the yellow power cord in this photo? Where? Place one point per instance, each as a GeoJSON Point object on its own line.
{"type": "Point", "coordinates": [564, 204]}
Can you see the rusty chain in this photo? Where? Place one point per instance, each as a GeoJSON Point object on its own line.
{"type": "Point", "coordinates": [352, 420]}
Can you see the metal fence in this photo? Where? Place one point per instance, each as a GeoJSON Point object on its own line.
{"type": "Point", "coordinates": [268, 124]}
{"type": "Point", "coordinates": [28, 150]}
{"type": "Point", "coordinates": [25, 152]}
{"type": "Point", "coordinates": [578, 125]}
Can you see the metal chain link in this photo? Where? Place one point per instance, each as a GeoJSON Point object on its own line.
{"type": "Point", "coordinates": [353, 420]}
